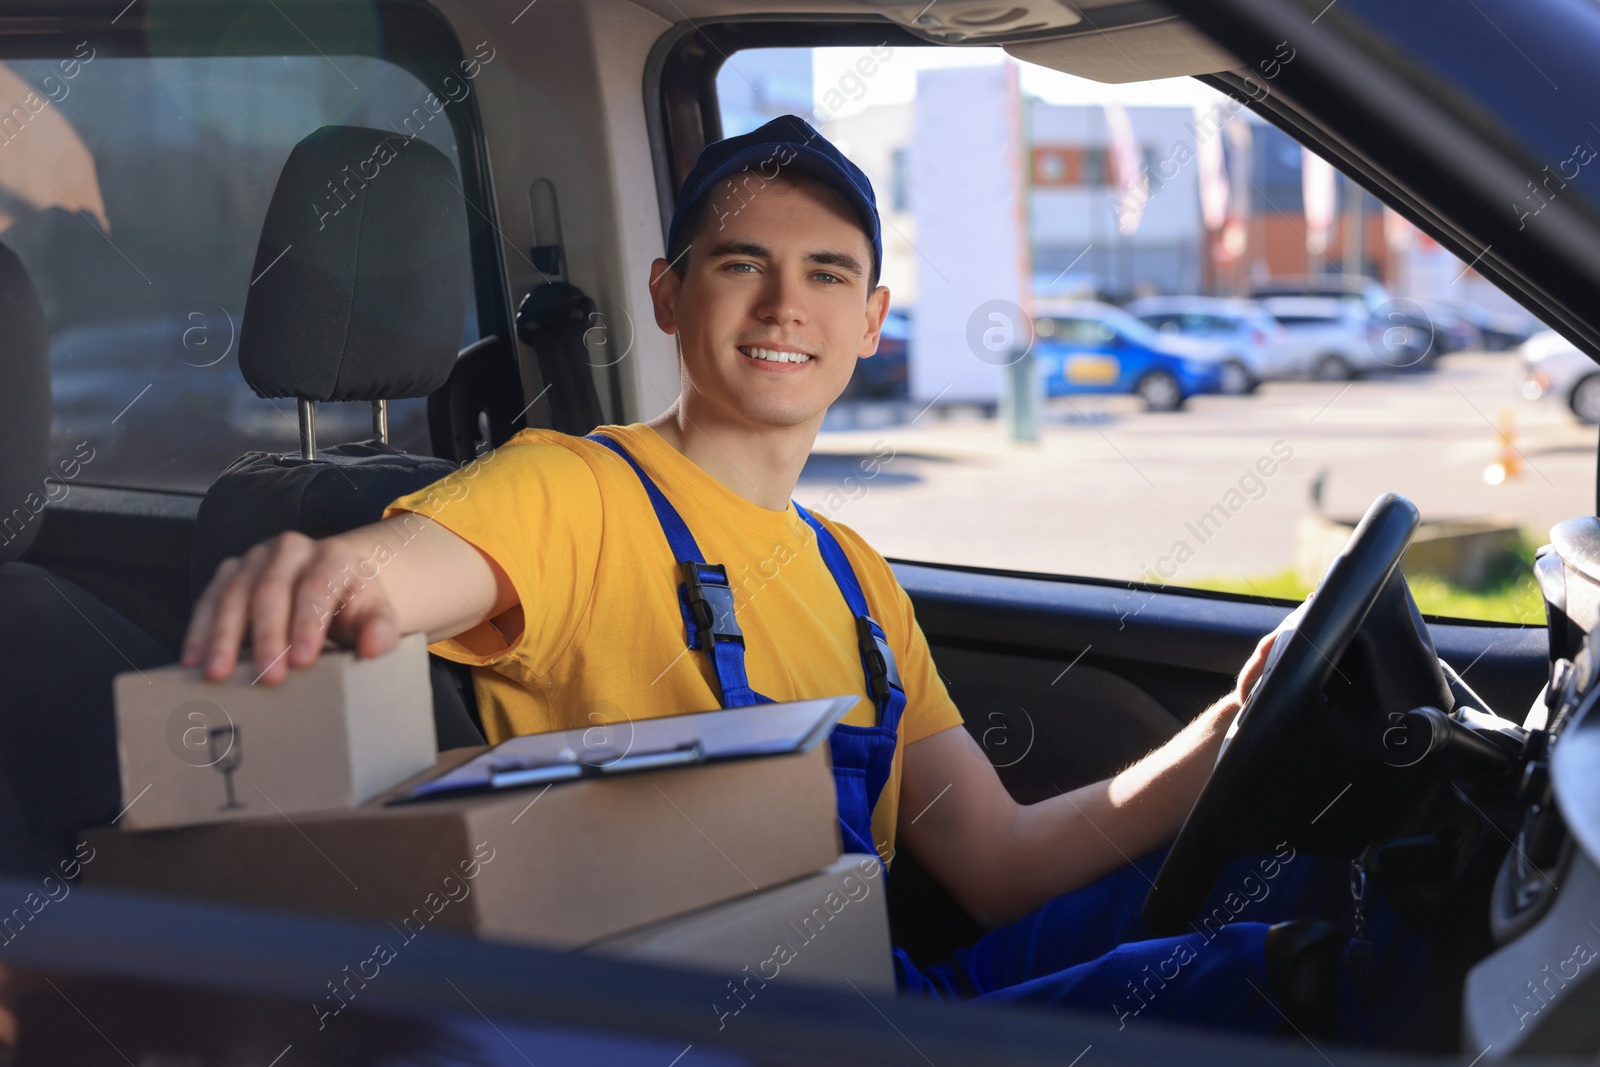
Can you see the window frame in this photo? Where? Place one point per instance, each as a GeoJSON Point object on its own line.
{"type": "Point", "coordinates": [410, 34]}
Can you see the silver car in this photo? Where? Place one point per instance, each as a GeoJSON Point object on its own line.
{"type": "Point", "coordinates": [1256, 346]}
{"type": "Point", "coordinates": [1331, 338]}
{"type": "Point", "coordinates": [1553, 368]}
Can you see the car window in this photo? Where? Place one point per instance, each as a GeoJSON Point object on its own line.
{"type": "Point", "coordinates": [1130, 326]}
{"type": "Point", "coordinates": [1009, 191]}
{"type": "Point", "coordinates": [134, 190]}
{"type": "Point", "coordinates": [1078, 331]}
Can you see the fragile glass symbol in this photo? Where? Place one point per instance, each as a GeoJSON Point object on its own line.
{"type": "Point", "coordinates": [226, 752]}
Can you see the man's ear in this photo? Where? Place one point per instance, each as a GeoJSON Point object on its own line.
{"type": "Point", "coordinates": [877, 308]}
{"type": "Point", "coordinates": [665, 285]}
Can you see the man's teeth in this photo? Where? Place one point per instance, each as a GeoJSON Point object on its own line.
{"type": "Point", "coordinates": [775, 356]}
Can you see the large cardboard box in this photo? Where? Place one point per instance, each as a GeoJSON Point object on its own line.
{"type": "Point", "coordinates": [560, 865]}
{"type": "Point", "coordinates": [331, 735]}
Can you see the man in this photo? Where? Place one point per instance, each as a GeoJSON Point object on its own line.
{"type": "Point", "coordinates": [569, 571]}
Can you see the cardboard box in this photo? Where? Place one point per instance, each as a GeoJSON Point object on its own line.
{"type": "Point", "coordinates": [559, 865]}
{"type": "Point", "coordinates": [331, 735]}
{"type": "Point", "coordinates": [829, 927]}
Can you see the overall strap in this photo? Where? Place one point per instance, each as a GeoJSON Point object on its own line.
{"type": "Point", "coordinates": [877, 659]}
{"type": "Point", "coordinates": [705, 596]}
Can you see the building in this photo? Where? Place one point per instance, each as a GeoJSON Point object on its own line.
{"type": "Point", "coordinates": [1073, 204]}
{"type": "Point", "coordinates": [878, 140]}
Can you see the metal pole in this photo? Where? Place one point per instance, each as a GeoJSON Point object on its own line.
{"type": "Point", "coordinates": [380, 421]}
{"type": "Point", "coordinates": [308, 429]}
{"type": "Point", "coordinates": [1021, 401]}
{"type": "Point", "coordinates": [1354, 223]}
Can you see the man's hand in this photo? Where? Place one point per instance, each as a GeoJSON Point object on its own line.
{"type": "Point", "coordinates": [1253, 668]}
{"type": "Point", "coordinates": [363, 590]}
{"type": "Point", "coordinates": [1256, 665]}
{"type": "Point", "coordinates": [290, 594]}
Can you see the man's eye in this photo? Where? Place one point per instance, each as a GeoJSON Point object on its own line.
{"type": "Point", "coordinates": [827, 277]}
{"type": "Point", "coordinates": [742, 267]}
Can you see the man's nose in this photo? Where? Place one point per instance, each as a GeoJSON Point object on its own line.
{"type": "Point", "coordinates": [782, 299]}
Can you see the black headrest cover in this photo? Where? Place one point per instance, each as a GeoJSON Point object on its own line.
{"type": "Point", "coordinates": [24, 409]}
{"type": "Point", "coordinates": [368, 299]}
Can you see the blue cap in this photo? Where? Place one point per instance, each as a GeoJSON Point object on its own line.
{"type": "Point", "coordinates": [787, 143]}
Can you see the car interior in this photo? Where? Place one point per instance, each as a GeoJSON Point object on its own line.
{"type": "Point", "coordinates": [499, 281]}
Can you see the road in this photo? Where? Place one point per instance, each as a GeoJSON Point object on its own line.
{"type": "Point", "coordinates": [1112, 491]}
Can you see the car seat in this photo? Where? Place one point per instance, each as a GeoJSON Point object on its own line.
{"type": "Point", "coordinates": [359, 295]}
{"type": "Point", "coordinates": [60, 647]}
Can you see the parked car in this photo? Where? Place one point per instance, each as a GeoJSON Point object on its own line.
{"type": "Point", "coordinates": [885, 375]}
{"type": "Point", "coordinates": [1256, 344]}
{"type": "Point", "coordinates": [120, 379]}
{"type": "Point", "coordinates": [1452, 330]}
{"type": "Point", "coordinates": [1407, 337]}
{"type": "Point", "coordinates": [1332, 338]}
{"type": "Point", "coordinates": [1554, 369]}
{"type": "Point", "coordinates": [101, 371]}
{"type": "Point", "coordinates": [1088, 348]}
{"type": "Point", "coordinates": [1497, 332]}
{"type": "Point", "coordinates": [1368, 292]}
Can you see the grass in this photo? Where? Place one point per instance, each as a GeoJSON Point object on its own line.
{"type": "Point", "coordinates": [1511, 594]}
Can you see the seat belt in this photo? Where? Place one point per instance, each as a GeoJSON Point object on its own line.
{"type": "Point", "coordinates": [553, 319]}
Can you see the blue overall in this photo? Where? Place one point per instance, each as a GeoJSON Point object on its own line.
{"type": "Point", "coordinates": [1087, 949]}
{"type": "Point", "coordinates": [862, 755]}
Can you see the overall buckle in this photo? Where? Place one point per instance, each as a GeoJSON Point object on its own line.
{"type": "Point", "coordinates": [879, 658]}
{"type": "Point", "coordinates": [711, 601]}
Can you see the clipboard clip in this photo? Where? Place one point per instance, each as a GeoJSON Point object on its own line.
{"type": "Point", "coordinates": [590, 763]}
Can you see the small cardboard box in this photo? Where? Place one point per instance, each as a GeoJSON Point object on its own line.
{"type": "Point", "coordinates": [332, 735]}
{"type": "Point", "coordinates": [559, 865]}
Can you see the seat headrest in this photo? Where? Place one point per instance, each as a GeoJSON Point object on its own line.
{"type": "Point", "coordinates": [361, 275]}
{"type": "Point", "coordinates": [25, 487]}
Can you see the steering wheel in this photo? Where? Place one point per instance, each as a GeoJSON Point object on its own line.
{"type": "Point", "coordinates": [1284, 709]}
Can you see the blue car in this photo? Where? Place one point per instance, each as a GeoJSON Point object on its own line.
{"type": "Point", "coordinates": [1088, 348]}
{"type": "Point", "coordinates": [884, 375]}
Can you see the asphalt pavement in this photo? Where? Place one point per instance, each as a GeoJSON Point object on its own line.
{"type": "Point", "coordinates": [1215, 490]}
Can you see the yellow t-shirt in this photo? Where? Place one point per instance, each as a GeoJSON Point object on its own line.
{"type": "Point", "coordinates": [598, 635]}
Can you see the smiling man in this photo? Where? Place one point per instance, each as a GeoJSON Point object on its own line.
{"type": "Point", "coordinates": [662, 568]}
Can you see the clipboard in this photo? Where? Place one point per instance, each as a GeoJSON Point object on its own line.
{"type": "Point", "coordinates": [610, 749]}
